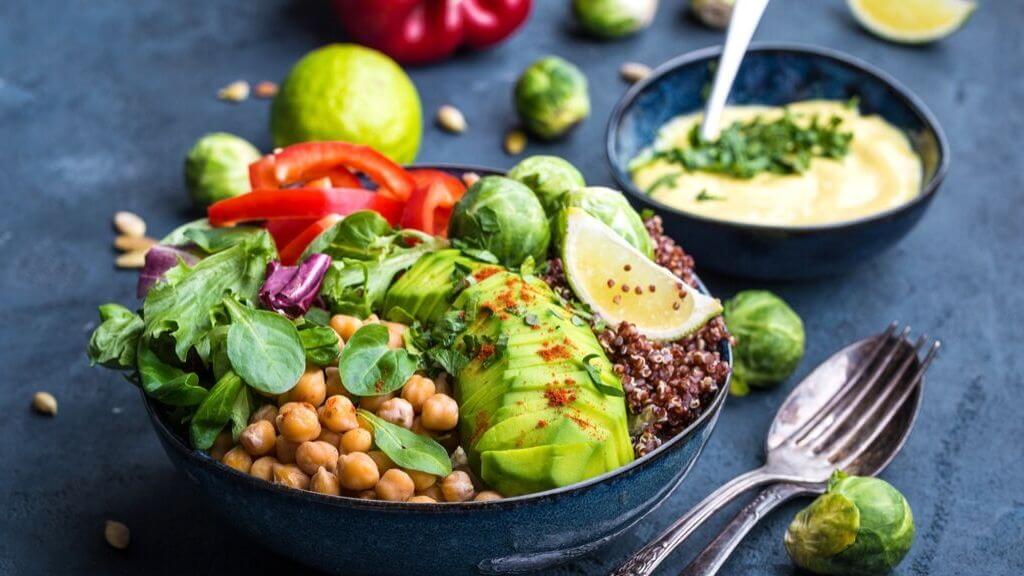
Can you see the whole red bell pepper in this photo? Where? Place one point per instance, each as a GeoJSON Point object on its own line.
{"type": "Point", "coordinates": [424, 31]}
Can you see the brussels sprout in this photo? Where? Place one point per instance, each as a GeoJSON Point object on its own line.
{"type": "Point", "coordinates": [859, 527]}
{"type": "Point", "coordinates": [217, 167]}
{"type": "Point", "coordinates": [713, 13]}
{"type": "Point", "coordinates": [769, 339]}
{"type": "Point", "coordinates": [612, 208]}
{"type": "Point", "coordinates": [504, 217]}
{"type": "Point", "coordinates": [549, 177]}
{"type": "Point", "coordinates": [551, 97]}
{"type": "Point", "coordinates": [614, 18]}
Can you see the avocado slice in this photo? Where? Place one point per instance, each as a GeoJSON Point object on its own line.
{"type": "Point", "coordinates": [425, 292]}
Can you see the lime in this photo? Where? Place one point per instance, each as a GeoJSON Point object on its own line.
{"type": "Point", "coordinates": [621, 284]}
{"type": "Point", "coordinates": [350, 93]}
{"type": "Point", "coordinates": [912, 21]}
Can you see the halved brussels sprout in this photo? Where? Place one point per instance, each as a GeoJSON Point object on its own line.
{"type": "Point", "coordinates": [769, 339]}
{"type": "Point", "coordinates": [550, 178]}
{"type": "Point", "coordinates": [551, 97]}
{"type": "Point", "coordinates": [504, 217]}
{"type": "Point", "coordinates": [612, 208]}
{"type": "Point", "coordinates": [860, 527]}
{"type": "Point", "coordinates": [614, 18]}
{"type": "Point", "coordinates": [217, 168]}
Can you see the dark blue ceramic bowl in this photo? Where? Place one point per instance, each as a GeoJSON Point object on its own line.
{"type": "Point", "coordinates": [777, 75]}
{"type": "Point", "coordinates": [364, 537]}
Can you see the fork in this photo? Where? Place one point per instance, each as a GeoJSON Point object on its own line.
{"type": "Point", "coordinates": [833, 437]}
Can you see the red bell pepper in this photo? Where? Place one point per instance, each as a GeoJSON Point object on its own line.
{"type": "Point", "coordinates": [291, 253]}
{"type": "Point", "coordinates": [285, 230]}
{"type": "Point", "coordinates": [314, 160]}
{"type": "Point", "coordinates": [424, 31]}
{"type": "Point", "coordinates": [301, 203]}
{"type": "Point", "coordinates": [430, 206]}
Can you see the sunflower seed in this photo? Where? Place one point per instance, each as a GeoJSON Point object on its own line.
{"type": "Point", "coordinates": [634, 72]}
{"type": "Point", "coordinates": [44, 403]}
{"type": "Point", "coordinates": [132, 243]}
{"type": "Point", "coordinates": [451, 119]}
{"type": "Point", "coordinates": [133, 259]}
{"type": "Point", "coordinates": [129, 224]}
{"type": "Point", "coordinates": [235, 92]}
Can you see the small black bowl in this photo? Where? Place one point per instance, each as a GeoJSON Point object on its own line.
{"type": "Point", "coordinates": [776, 75]}
{"type": "Point", "coordinates": [342, 535]}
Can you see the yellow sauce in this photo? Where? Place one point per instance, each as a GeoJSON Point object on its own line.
{"type": "Point", "coordinates": [881, 171]}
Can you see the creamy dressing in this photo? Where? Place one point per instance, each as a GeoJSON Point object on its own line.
{"type": "Point", "coordinates": [881, 171]}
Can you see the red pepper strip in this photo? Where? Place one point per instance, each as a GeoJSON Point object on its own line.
{"type": "Point", "coordinates": [312, 160]}
{"type": "Point", "coordinates": [284, 231]}
{"type": "Point", "coordinates": [430, 206]}
{"type": "Point", "coordinates": [310, 203]}
{"type": "Point", "coordinates": [291, 253]}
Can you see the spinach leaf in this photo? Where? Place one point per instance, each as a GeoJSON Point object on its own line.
{"type": "Point", "coordinates": [183, 304]}
{"type": "Point", "coordinates": [407, 448]}
{"type": "Point", "coordinates": [167, 384]}
{"type": "Point", "coordinates": [369, 368]}
{"type": "Point", "coordinates": [240, 411]}
{"type": "Point", "coordinates": [317, 316]}
{"type": "Point", "coordinates": [264, 348]}
{"type": "Point", "coordinates": [320, 344]}
{"type": "Point", "coordinates": [597, 377]}
{"type": "Point", "coordinates": [115, 341]}
{"type": "Point", "coordinates": [212, 240]}
{"type": "Point", "coordinates": [219, 407]}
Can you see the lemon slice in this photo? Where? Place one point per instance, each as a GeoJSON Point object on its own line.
{"type": "Point", "coordinates": [622, 285]}
{"type": "Point", "coordinates": [912, 21]}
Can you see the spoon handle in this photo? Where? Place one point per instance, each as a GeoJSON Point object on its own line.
{"type": "Point", "coordinates": [746, 15]}
{"type": "Point", "coordinates": [714, 555]}
{"type": "Point", "coordinates": [653, 554]}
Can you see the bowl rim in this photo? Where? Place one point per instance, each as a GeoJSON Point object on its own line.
{"type": "Point", "coordinates": [911, 100]}
{"type": "Point", "coordinates": [199, 458]}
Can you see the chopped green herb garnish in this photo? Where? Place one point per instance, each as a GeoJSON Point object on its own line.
{"type": "Point", "coordinates": [663, 181]}
{"type": "Point", "coordinates": [531, 320]}
{"type": "Point", "coordinates": [704, 196]}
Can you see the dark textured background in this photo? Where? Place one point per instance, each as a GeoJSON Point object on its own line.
{"type": "Point", "coordinates": [99, 101]}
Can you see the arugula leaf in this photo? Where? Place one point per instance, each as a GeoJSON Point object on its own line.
{"type": "Point", "coordinates": [595, 374]}
{"type": "Point", "coordinates": [167, 384]}
{"type": "Point", "coordinates": [369, 368]}
{"type": "Point", "coordinates": [358, 287]}
{"type": "Point", "coordinates": [178, 237]}
{"type": "Point", "coordinates": [408, 449]}
{"type": "Point", "coordinates": [182, 305]}
{"type": "Point", "coordinates": [114, 342]}
{"type": "Point", "coordinates": [264, 348]}
{"type": "Point", "coordinates": [320, 344]}
{"type": "Point", "coordinates": [212, 240]}
{"type": "Point", "coordinates": [362, 235]}
{"type": "Point", "coordinates": [218, 343]}
{"type": "Point", "coordinates": [240, 411]}
{"type": "Point", "coordinates": [219, 407]}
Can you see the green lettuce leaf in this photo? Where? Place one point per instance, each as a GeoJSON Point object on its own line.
{"type": "Point", "coordinates": [115, 341]}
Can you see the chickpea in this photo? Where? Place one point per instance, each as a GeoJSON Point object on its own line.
{"type": "Point", "coordinates": [325, 482]}
{"type": "Point", "coordinates": [289, 475]}
{"type": "Point", "coordinates": [422, 480]}
{"type": "Point", "coordinates": [397, 411]}
{"type": "Point", "coordinates": [338, 414]}
{"type": "Point", "coordinates": [356, 440]}
{"type": "Point", "coordinates": [298, 422]}
{"type": "Point", "coordinates": [263, 468]}
{"type": "Point", "coordinates": [266, 412]}
{"type": "Point", "coordinates": [433, 492]}
{"type": "Point", "coordinates": [373, 403]}
{"type": "Point", "coordinates": [310, 388]}
{"type": "Point", "coordinates": [285, 450]}
{"type": "Point", "coordinates": [487, 496]}
{"type": "Point", "coordinates": [457, 487]}
{"type": "Point", "coordinates": [357, 471]}
{"type": "Point", "coordinates": [332, 382]}
{"type": "Point", "coordinates": [416, 391]}
{"type": "Point", "coordinates": [396, 334]}
{"type": "Point", "coordinates": [367, 495]}
{"type": "Point", "coordinates": [395, 486]}
{"type": "Point", "coordinates": [421, 500]}
{"type": "Point", "coordinates": [345, 326]}
{"type": "Point", "coordinates": [384, 463]}
{"type": "Point", "coordinates": [417, 427]}
{"type": "Point", "coordinates": [440, 412]}
{"type": "Point", "coordinates": [329, 436]}
{"type": "Point", "coordinates": [238, 459]}
{"type": "Point", "coordinates": [311, 456]}
{"type": "Point", "coordinates": [442, 385]}
{"type": "Point", "coordinates": [221, 445]}
{"type": "Point", "coordinates": [258, 438]}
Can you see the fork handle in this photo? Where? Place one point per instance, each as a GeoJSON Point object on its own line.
{"type": "Point", "coordinates": [653, 554]}
{"type": "Point", "coordinates": [714, 555]}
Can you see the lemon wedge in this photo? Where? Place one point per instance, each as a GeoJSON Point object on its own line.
{"type": "Point", "coordinates": [622, 285]}
{"type": "Point", "coordinates": [912, 21]}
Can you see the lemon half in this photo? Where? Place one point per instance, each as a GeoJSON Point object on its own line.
{"type": "Point", "coordinates": [912, 21]}
{"type": "Point", "coordinates": [622, 285]}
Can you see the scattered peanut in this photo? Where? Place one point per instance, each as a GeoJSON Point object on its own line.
{"type": "Point", "coordinates": [451, 119]}
{"type": "Point", "coordinates": [634, 72]}
{"type": "Point", "coordinates": [265, 89]}
{"type": "Point", "coordinates": [129, 224]}
{"type": "Point", "coordinates": [133, 259]}
{"type": "Point", "coordinates": [44, 403]}
{"type": "Point", "coordinates": [127, 243]}
{"type": "Point", "coordinates": [515, 142]}
{"type": "Point", "coordinates": [117, 534]}
{"type": "Point", "coordinates": [237, 91]}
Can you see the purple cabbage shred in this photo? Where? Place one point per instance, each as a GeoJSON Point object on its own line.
{"type": "Point", "coordinates": [160, 259]}
{"type": "Point", "coordinates": [291, 290]}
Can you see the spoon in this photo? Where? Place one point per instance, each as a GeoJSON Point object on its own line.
{"type": "Point", "coordinates": [832, 419]}
{"type": "Point", "coordinates": [888, 444]}
{"type": "Point", "coordinates": [746, 15]}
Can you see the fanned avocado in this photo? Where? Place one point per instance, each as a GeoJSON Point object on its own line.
{"type": "Point", "coordinates": [425, 292]}
{"type": "Point", "coordinates": [531, 417]}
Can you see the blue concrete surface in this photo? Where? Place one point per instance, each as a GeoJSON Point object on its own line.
{"type": "Point", "coordinates": [100, 100]}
